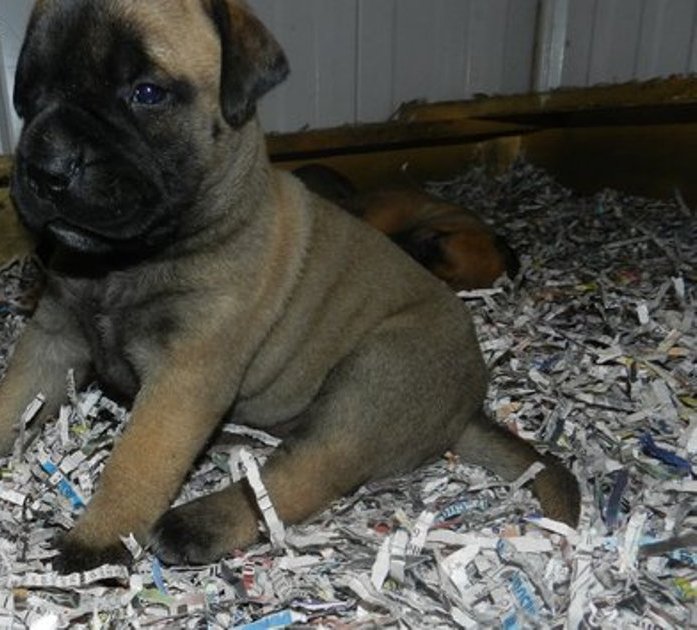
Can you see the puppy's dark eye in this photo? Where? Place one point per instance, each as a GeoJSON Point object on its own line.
{"type": "Point", "coordinates": [148, 94]}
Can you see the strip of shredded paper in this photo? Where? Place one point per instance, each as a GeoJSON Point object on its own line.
{"type": "Point", "coordinates": [592, 352]}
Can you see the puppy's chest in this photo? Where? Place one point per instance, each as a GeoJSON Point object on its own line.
{"type": "Point", "coordinates": [109, 342]}
{"type": "Point", "coordinates": [111, 322]}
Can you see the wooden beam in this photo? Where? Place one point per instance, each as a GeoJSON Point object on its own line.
{"type": "Point", "coordinates": [658, 97]}
{"type": "Point", "coordinates": [637, 137]}
{"type": "Point", "coordinates": [388, 136]}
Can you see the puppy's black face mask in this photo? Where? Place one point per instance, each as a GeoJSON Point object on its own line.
{"type": "Point", "coordinates": [114, 148]}
{"type": "Point", "coordinates": [100, 162]}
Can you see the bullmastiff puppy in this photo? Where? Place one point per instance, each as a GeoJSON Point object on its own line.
{"type": "Point", "coordinates": [195, 280]}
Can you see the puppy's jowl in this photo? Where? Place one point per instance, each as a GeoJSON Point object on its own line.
{"type": "Point", "coordinates": [196, 281]}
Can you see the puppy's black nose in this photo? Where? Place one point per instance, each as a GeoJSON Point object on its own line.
{"type": "Point", "coordinates": [51, 179]}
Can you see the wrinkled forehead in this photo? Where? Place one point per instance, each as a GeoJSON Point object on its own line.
{"type": "Point", "coordinates": [176, 37]}
{"type": "Point", "coordinates": [180, 34]}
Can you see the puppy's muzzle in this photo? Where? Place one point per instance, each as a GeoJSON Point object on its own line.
{"type": "Point", "coordinates": [51, 178]}
{"type": "Point", "coordinates": [50, 160]}
{"type": "Point", "coordinates": [79, 179]}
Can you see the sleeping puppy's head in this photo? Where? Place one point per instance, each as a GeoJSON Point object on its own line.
{"type": "Point", "coordinates": [459, 249]}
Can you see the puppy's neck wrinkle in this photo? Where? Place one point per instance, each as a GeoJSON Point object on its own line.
{"type": "Point", "coordinates": [280, 263]}
{"type": "Point", "coordinates": [229, 198]}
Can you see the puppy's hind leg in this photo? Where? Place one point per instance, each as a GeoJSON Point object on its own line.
{"type": "Point", "coordinates": [490, 445]}
{"type": "Point", "coordinates": [365, 423]}
{"type": "Point", "coordinates": [302, 477]}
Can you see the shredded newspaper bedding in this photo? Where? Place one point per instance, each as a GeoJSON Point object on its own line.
{"type": "Point", "coordinates": [593, 355]}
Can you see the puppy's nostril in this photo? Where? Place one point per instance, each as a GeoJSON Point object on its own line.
{"type": "Point", "coordinates": [47, 183]}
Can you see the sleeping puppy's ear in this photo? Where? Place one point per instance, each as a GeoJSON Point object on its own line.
{"type": "Point", "coordinates": [424, 243]}
{"type": "Point", "coordinates": [252, 60]}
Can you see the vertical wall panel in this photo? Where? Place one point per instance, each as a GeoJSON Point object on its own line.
{"type": "Point", "coordinates": [615, 41]}
{"type": "Point", "coordinates": [579, 42]}
{"type": "Point", "coordinates": [320, 40]}
{"type": "Point", "coordinates": [621, 40]}
{"type": "Point", "coordinates": [666, 34]}
{"type": "Point", "coordinates": [7, 135]}
{"type": "Point", "coordinates": [550, 44]}
{"type": "Point", "coordinates": [519, 50]}
{"type": "Point", "coordinates": [14, 15]}
{"type": "Point", "coordinates": [692, 59]}
{"type": "Point", "coordinates": [441, 52]}
{"type": "Point", "coordinates": [375, 59]}
{"type": "Point", "coordinates": [500, 46]}
{"type": "Point", "coordinates": [416, 35]}
{"type": "Point", "coordinates": [336, 62]}
{"type": "Point", "coordinates": [449, 53]}
{"type": "Point", "coordinates": [486, 49]}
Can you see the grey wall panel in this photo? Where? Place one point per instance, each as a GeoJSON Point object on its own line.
{"type": "Point", "coordinates": [579, 42]}
{"type": "Point", "coordinates": [336, 63]}
{"type": "Point", "coordinates": [612, 41]}
{"type": "Point", "coordinates": [359, 60]}
{"type": "Point", "coordinates": [430, 50]}
{"type": "Point", "coordinates": [14, 15]}
{"type": "Point", "coordinates": [375, 59]}
{"type": "Point", "coordinates": [692, 58]}
{"type": "Point", "coordinates": [666, 37]}
{"type": "Point", "coordinates": [7, 138]}
{"type": "Point", "coordinates": [486, 46]}
{"type": "Point", "coordinates": [615, 41]}
{"type": "Point", "coordinates": [320, 40]}
{"type": "Point", "coordinates": [500, 45]}
{"type": "Point", "coordinates": [415, 33]}
{"type": "Point", "coordinates": [451, 20]}
{"type": "Point", "coordinates": [519, 51]}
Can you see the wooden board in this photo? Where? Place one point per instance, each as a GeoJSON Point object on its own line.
{"type": "Point", "coordinates": [639, 138]}
{"type": "Point", "coordinates": [386, 137]}
{"type": "Point", "coordinates": [655, 97]}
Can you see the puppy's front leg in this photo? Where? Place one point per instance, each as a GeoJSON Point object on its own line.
{"type": "Point", "coordinates": [51, 345]}
{"type": "Point", "coordinates": [174, 414]}
{"type": "Point", "coordinates": [302, 477]}
{"type": "Point", "coordinates": [357, 428]}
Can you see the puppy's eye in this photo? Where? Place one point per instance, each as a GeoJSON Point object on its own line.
{"type": "Point", "coordinates": [148, 94]}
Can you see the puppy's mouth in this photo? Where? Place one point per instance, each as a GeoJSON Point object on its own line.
{"type": "Point", "coordinates": [84, 240]}
{"type": "Point", "coordinates": [76, 238]}
{"type": "Point", "coordinates": [103, 214]}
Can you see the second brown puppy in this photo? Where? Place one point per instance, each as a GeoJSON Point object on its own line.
{"type": "Point", "coordinates": [451, 242]}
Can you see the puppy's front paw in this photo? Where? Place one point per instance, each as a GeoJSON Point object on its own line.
{"type": "Point", "coordinates": [75, 556]}
{"type": "Point", "coordinates": [205, 530]}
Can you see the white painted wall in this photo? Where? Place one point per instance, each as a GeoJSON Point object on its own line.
{"type": "Point", "coordinates": [612, 41]}
{"type": "Point", "coordinates": [358, 60]}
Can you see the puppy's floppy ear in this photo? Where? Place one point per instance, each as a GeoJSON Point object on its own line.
{"type": "Point", "coordinates": [252, 60]}
{"type": "Point", "coordinates": [424, 243]}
